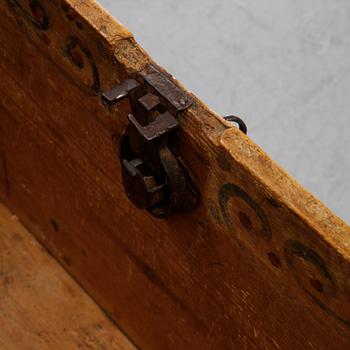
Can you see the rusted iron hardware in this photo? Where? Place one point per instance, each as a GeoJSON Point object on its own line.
{"type": "Point", "coordinates": [241, 124]}
{"type": "Point", "coordinates": [154, 176]}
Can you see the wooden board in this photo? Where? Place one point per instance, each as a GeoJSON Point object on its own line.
{"type": "Point", "coordinates": [261, 264]}
{"type": "Point", "coordinates": [41, 306]}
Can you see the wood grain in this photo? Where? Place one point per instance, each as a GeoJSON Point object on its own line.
{"type": "Point", "coordinates": [261, 264]}
{"type": "Point", "coordinates": [41, 306]}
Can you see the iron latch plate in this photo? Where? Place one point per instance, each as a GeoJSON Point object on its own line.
{"type": "Point", "coordinates": [155, 177]}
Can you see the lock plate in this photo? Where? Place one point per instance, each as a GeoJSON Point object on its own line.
{"type": "Point", "coordinates": [155, 177]}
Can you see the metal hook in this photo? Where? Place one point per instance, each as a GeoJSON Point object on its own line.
{"type": "Point", "coordinates": [241, 124]}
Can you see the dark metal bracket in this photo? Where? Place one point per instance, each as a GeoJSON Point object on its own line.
{"type": "Point", "coordinates": [154, 176]}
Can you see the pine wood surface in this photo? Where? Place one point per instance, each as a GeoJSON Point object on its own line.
{"type": "Point", "coordinates": [41, 306]}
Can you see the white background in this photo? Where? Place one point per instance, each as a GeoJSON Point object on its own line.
{"type": "Point", "coordinates": [283, 65]}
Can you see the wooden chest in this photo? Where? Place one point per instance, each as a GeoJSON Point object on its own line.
{"type": "Point", "coordinates": [257, 263]}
